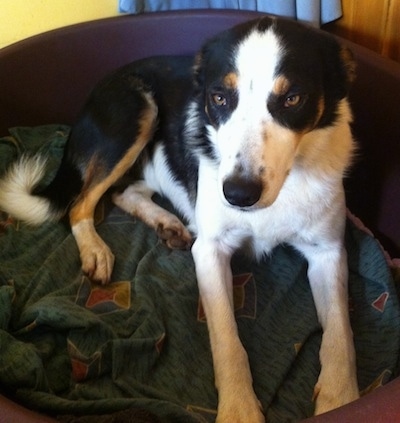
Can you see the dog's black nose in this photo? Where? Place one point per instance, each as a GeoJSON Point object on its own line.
{"type": "Point", "coordinates": [242, 192]}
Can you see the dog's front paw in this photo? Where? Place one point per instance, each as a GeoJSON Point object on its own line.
{"type": "Point", "coordinates": [329, 396]}
{"type": "Point", "coordinates": [175, 234]}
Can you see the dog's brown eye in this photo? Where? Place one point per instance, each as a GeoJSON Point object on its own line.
{"type": "Point", "coordinates": [219, 99]}
{"type": "Point", "coordinates": [292, 100]}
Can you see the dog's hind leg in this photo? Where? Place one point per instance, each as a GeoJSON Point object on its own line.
{"type": "Point", "coordinates": [96, 257]}
{"type": "Point", "coordinates": [136, 200]}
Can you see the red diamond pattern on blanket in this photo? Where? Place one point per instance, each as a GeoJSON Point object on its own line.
{"type": "Point", "coordinates": [297, 347]}
{"type": "Point", "coordinates": [381, 380]}
{"type": "Point", "coordinates": [244, 298]}
{"type": "Point", "coordinates": [104, 299]}
{"type": "Point", "coordinates": [160, 343]}
{"type": "Point", "coordinates": [380, 303]}
{"type": "Point", "coordinates": [84, 367]}
{"type": "Point", "coordinates": [5, 221]}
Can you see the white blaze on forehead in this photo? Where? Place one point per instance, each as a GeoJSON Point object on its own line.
{"type": "Point", "coordinates": [256, 61]}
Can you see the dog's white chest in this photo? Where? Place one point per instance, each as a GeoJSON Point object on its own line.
{"type": "Point", "coordinates": [301, 214]}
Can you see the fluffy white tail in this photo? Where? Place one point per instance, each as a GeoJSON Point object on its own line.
{"type": "Point", "coordinates": [16, 191]}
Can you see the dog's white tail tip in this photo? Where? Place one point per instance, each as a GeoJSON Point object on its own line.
{"type": "Point", "coordinates": [16, 191]}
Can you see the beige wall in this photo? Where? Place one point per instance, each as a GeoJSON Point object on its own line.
{"type": "Point", "coordinates": [22, 18]}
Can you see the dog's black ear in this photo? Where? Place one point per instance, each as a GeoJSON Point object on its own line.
{"type": "Point", "coordinates": [349, 64]}
{"type": "Point", "coordinates": [198, 70]}
{"type": "Point", "coordinates": [209, 60]}
{"type": "Point", "coordinates": [340, 69]}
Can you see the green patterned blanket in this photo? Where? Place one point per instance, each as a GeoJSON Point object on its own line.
{"type": "Point", "coordinates": [68, 346]}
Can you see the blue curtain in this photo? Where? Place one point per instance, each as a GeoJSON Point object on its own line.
{"type": "Point", "coordinates": [315, 12]}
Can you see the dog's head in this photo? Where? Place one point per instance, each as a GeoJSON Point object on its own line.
{"type": "Point", "coordinates": [263, 86]}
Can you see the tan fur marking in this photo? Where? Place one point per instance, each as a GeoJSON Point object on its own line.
{"type": "Point", "coordinates": [327, 157]}
{"type": "Point", "coordinates": [281, 85]}
{"type": "Point", "coordinates": [231, 80]}
{"type": "Point", "coordinates": [87, 201]}
{"type": "Point", "coordinates": [278, 152]}
{"type": "Point", "coordinates": [320, 110]}
{"type": "Point", "coordinates": [94, 171]}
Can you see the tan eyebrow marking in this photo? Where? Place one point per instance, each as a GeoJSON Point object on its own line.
{"type": "Point", "coordinates": [230, 80]}
{"type": "Point", "coordinates": [281, 85]}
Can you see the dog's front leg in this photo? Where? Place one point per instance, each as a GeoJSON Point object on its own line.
{"type": "Point", "coordinates": [237, 402]}
{"type": "Point", "coordinates": [337, 383]}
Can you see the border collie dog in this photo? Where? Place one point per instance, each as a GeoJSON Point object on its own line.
{"type": "Point", "coordinates": [250, 140]}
